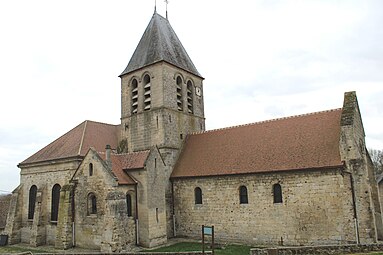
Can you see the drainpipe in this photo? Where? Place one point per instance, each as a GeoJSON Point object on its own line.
{"type": "Point", "coordinates": [136, 216]}
{"type": "Point", "coordinates": [174, 215]}
{"type": "Point", "coordinates": [354, 208]}
{"type": "Point", "coordinates": [73, 214]}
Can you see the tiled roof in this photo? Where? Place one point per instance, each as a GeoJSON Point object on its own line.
{"type": "Point", "coordinates": [293, 143]}
{"type": "Point", "coordinates": [160, 43]}
{"type": "Point", "coordinates": [78, 141]}
{"type": "Point", "coordinates": [122, 163]}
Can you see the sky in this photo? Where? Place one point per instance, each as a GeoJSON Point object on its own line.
{"type": "Point", "coordinates": [60, 61]}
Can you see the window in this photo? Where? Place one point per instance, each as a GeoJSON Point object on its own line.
{"type": "Point", "coordinates": [90, 169]}
{"type": "Point", "coordinates": [55, 202]}
{"type": "Point", "coordinates": [32, 202]}
{"type": "Point", "coordinates": [129, 205]}
{"type": "Point", "coordinates": [198, 196]}
{"type": "Point", "coordinates": [277, 193]}
{"type": "Point", "coordinates": [190, 96]}
{"type": "Point", "coordinates": [243, 199]}
{"type": "Point", "coordinates": [147, 93]}
{"type": "Point", "coordinates": [179, 94]}
{"type": "Point", "coordinates": [92, 204]}
{"type": "Point", "coordinates": [134, 96]}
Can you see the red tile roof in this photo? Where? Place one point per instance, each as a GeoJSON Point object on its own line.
{"type": "Point", "coordinates": [128, 161]}
{"type": "Point", "coordinates": [293, 143]}
{"type": "Point", "coordinates": [78, 141]}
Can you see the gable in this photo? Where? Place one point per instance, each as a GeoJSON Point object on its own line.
{"type": "Point", "coordinates": [294, 143]}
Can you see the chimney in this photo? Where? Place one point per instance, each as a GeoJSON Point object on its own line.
{"type": "Point", "coordinates": [107, 155]}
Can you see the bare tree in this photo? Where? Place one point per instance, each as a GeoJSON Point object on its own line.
{"type": "Point", "coordinates": [377, 160]}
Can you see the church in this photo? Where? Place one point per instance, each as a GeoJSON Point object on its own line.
{"type": "Point", "coordinates": [299, 180]}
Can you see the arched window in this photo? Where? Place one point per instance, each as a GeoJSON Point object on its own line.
{"type": "Point", "coordinates": [277, 193]}
{"type": "Point", "coordinates": [134, 96]}
{"type": "Point", "coordinates": [90, 169]}
{"type": "Point", "coordinates": [55, 202]}
{"type": "Point", "coordinates": [129, 204]}
{"type": "Point", "coordinates": [198, 196]}
{"type": "Point", "coordinates": [243, 199]}
{"type": "Point", "coordinates": [147, 93]}
{"type": "Point", "coordinates": [92, 204]}
{"type": "Point", "coordinates": [32, 202]}
{"type": "Point", "coordinates": [180, 106]}
{"type": "Point", "coordinates": [190, 96]}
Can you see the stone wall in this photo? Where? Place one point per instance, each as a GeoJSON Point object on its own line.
{"type": "Point", "coordinates": [322, 250]}
{"type": "Point", "coordinates": [317, 208]}
{"type": "Point", "coordinates": [137, 253]}
{"type": "Point", "coordinates": [44, 175]}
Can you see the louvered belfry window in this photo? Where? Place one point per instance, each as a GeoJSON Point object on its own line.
{"type": "Point", "coordinates": [134, 96]}
{"type": "Point", "coordinates": [147, 93]}
{"type": "Point", "coordinates": [180, 105]}
{"type": "Point", "coordinates": [189, 95]}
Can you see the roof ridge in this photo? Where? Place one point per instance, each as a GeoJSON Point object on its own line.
{"type": "Point", "coordinates": [103, 123]}
{"type": "Point", "coordinates": [126, 153]}
{"type": "Point", "coordinates": [82, 137]}
{"type": "Point", "coordinates": [264, 121]}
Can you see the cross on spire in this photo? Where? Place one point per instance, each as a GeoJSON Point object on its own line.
{"type": "Point", "coordinates": [166, 1]}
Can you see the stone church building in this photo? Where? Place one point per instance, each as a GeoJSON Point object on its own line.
{"type": "Point", "coordinates": [299, 180]}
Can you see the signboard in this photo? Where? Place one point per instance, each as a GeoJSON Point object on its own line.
{"type": "Point", "coordinates": [208, 230]}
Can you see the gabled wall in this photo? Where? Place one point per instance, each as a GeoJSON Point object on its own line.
{"type": "Point", "coordinates": [354, 154]}
{"type": "Point", "coordinates": [109, 229]}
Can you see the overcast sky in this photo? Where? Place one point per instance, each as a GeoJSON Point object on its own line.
{"type": "Point", "coordinates": [60, 61]}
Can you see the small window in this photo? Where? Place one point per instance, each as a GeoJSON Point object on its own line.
{"type": "Point", "coordinates": [277, 193]}
{"type": "Point", "coordinates": [129, 205]}
{"type": "Point", "coordinates": [198, 196]}
{"type": "Point", "coordinates": [55, 202]}
{"type": "Point", "coordinates": [243, 199]}
{"type": "Point", "coordinates": [90, 169]}
{"type": "Point", "coordinates": [92, 204]}
{"type": "Point", "coordinates": [32, 202]}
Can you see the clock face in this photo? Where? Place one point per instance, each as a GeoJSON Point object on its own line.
{"type": "Point", "coordinates": [198, 91]}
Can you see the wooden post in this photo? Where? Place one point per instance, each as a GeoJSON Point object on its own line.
{"type": "Point", "coordinates": [212, 239]}
{"type": "Point", "coordinates": [203, 239]}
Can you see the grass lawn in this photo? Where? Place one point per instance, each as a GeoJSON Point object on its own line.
{"type": "Point", "coordinates": [19, 249]}
{"type": "Point", "coordinates": [231, 249]}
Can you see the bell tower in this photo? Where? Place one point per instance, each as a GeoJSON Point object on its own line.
{"type": "Point", "coordinates": [161, 92]}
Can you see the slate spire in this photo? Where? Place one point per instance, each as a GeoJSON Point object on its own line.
{"type": "Point", "coordinates": [160, 43]}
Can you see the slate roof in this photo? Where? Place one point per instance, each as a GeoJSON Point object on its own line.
{"type": "Point", "coordinates": [295, 143]}
{"type": "Point", "coordinates": [160, 43]}
{"type": "Point", "coordinates": [78, 141]}
{"type": "Point", "coordinates": [122, 163]}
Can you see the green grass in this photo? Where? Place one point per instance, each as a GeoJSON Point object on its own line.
{"type": "Point", "coordinates": [19, 249]}
{"type": "Point", "coordinates": [232, 249]}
